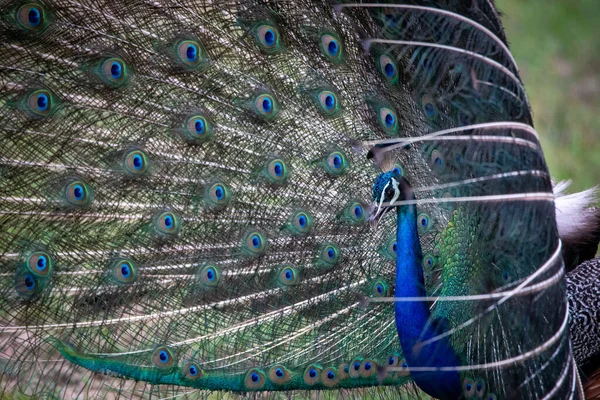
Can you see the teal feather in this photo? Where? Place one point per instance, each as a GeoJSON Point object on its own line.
{"type": "Point", "coordinates": [186, 190]}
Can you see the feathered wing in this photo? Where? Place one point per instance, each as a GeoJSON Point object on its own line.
{"type": "Point", "coordinates": [185, 189]}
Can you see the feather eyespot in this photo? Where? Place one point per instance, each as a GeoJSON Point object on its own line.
{"type": "Point", "coordinates": [428, 105]}
{"type": "Point", "coordinates": [198, 129]}
{"type": "Point", "coordinates": [266, 106]}
{"type": "Point", "coordinates": [167, 223]}
{"type": "Point", "coordinates": [301, 223]}
{"type": "Point", "coordinates": [438, 162]}
{"type": "Point", "coordinates": [388, 68]}
{"type": "Point", "coordinates": [114, 72]}
{"type": "Point", "coordinates": [162, 357]}
{"type": "Point", "coordinates": [480, 388]}
{"type": "Point", "coordinates": [424, 223]}
{"type": "Point", "coordinates": [399, 169]}
{"type": "Point", "coordinates": [217, 195]}
{"type": "Point", "coordinates": [192, 371]}
{"type": "Point", "coordinates": [277, 171]}
{"type": "Point", "coordinates": [379, 288]}
{"type": "Point", "coordinates": [404, 366]}
{"type": "Point", "coordinates": [332, 47]}
{"type": "Point", "coordinates": [367, 368]}
{"type": "Point", "coordinates": [189, 54]}
{"type": "Point", "coordinates": [288, 276]}
{"type": "Point", "coordinates": [41, 103]}
{"type": "Point", "coordinates": [269, 39]}
{"type": "Point", "coordinates": [330, 377]}
{"type": "Point", "coordinates": [329, 256]}
{"type": "Point", "coordinates": [78, 193]}
{"type": "Point", "coordinates": [255, 379]}
{"type": "Point", "coordinates": [328, 103]}
{"type": "Point", "coordinates": [429, 261]}
{"type": "Point", "coordinates": [39, 263]}
{"type": "Point", "coordinates": [279, 375]}
{"type": "Point", "coordinates": [354, 213]}
{"type": "Point", "coordinates": [468, 388]}
{"type": "Point", "coordinates": [124, 271]}
{"type": "Point", "coordinates": [254, 243]}
{"type": "Point", "coordinates": [354, 368]}
{"type": "Point", "coordinates": [210, 275]}
{"type": "Point", "coordinates": [31, 17]}
{"type": "Point", "coordinates": [312, 375]}
{"type": "Point", "coordinates": [393, 360]}
{"type": "Point", "coordinates": [336, 163]}
{"type": "Point", "coordinates": [27, 285]}
{"type": "Point", "coordinates": [388, 119]}
{"type": "Point", "coordinates": [135, 163]}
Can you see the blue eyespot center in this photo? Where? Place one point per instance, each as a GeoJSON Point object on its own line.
{"type": "Point", "coordinates": [42, 262]}
{"type": "Point", "coordinates": [219, 192]}
{"type": "Point", "coordinates": [356, 365]}
{"type": "Point", "coordinates": [42, 102]}
{"type": "Point", "coordinates": [34, 16]}
{"type": "Point", "coordinates": [78, 192]}
{"type": "Point", "coordinates": [329, 101]}
{"type": "Point", "coordinates": [138, 161]}
{"type": "Point", "coordinates": [379, 288]}
{"type": "Point", "coordinates": [389, 70]}
{"type": "Point", "coordinates": [312, 373]}
{"type": "Point", "coordinates": [289, 275]}
{"type": "Point", "coordinates": [199, 126]}
{"type": "Point", "coordinates": [278, 168]}
{"type": "Point", "coordinates": [191, 53]}
{"type": "Point", "coordinates": [125, 270]}
{"type": "Point", "coordinates": [255, 241]}
{"type": "Point", "coordinates": [330, 253]}
{"type": "Point", "coordinates": [391, 361]}
{"type": "Point", "coordinates": [337, 161]}
{"type": "Point", "coordinates": [168, 221]}
{"type": "Point", "coordinates": [389, 120]}
{"type": "Point", "coordinates": [29, 282]}
{"type": "Point", "coordinates": [424, 221]}
{"type": "Point", "coordinates": [254, 377]}
{"type": "Point", "coordinates": [429, 261]}
{"type": "Point", "coordinates": [163, 356]}
{"type": "Point", "coordinates": [404, 365]}
{"type": "Point", "coordinates": [330, 375]}
{"type": "Point", "coordinates": [193, 370]}
{"type": "Point", "coordinates": [438, 161]}
{"type": "Point", "coordinates": [358, 212]}
{"type": "Point", "coordinates": [302, 221]}
{"type": "Point", "coordinates": [479, 386]}
{"type": "Point", "coordinates": [368, 366]}
{"type": "Point", "coordinates": [269, 37]}
{"type": "Point", "coordinates": [116, 70]}
{"type": "Point", "coordinates": [333, 48]}
{"type": "Point", "coordinates": [279, 372]}
{"type": "Point", "coordinates": [267, 105]}
{"type": "Point", "coordinates": [210, 274]}
{"type": "Point", "coordinates": [468, 387]}
{"type": "Point", "coordinates": [395, 247]}
{"type": "Point", "coordinates": [429, 109]}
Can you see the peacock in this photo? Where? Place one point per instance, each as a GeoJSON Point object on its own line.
{"type": "Point", "coordinates": [271, 198]}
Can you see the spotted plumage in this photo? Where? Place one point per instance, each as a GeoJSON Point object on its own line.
{"type": "Point", "coordinates": [189, 190]}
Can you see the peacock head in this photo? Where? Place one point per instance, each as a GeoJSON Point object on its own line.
{"type": "Point", "coordinates": [389, 187]}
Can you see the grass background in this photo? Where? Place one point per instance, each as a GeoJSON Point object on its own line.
{"type": "Point", "coordinates": [557, 46]}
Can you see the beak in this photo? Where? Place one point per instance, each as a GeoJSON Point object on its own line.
{"type": "Point", "coordinates": [377, 213]}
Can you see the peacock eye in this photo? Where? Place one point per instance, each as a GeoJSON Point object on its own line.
{"type": "Point", "coordinates": [389, 192]}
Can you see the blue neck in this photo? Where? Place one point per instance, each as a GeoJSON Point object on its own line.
{"type": "Point", "coordinates": [413, 318]}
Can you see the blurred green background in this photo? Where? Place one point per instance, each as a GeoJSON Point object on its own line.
{"type": "Point", "coordinates": [557, 46]}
